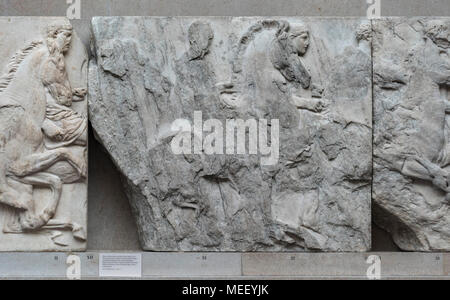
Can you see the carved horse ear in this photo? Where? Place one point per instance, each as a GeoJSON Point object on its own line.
{"type": "Point", "coordinates": [52, 32]}
{"type": "Point", "coordinates": [283, 28]}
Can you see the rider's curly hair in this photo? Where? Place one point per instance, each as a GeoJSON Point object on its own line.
{"type": "Point", "coordinates": [52, 33]}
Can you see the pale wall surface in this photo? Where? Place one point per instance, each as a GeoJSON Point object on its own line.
{"type": "Point", "coordinates": [110, 222]}
{"type": "Point", "coordinates": [90, 8]}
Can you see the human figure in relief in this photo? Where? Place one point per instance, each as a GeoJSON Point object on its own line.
{"type": "Point", "coordinates": [289, 46]}
{"type": "Point", "coordinates": [62, 125]}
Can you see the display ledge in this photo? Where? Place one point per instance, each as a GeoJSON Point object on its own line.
{"type": "Point", "coordinates": [151, 265]}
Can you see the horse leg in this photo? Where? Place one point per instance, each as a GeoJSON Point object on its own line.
{"type": "Point", "coordinates": [437, 175]}
{"type": "Point", "coordinates": [40, 162]}
{"type": "Point", "coordinates": [47, 180]}
{"type": "Point", "coordinates": [22, 210]}
{"type": "Point", "coordinates": [406, 164]}
{"type": "Point", "coordinates": [77, 230]}
{"type": "Point", "coordinates": [25, 219]}
{"type": "Point", "coordinates": [8, 195]}
{"type": "Point", "coordinates": [3, 183]}
{"type": "Point", "coordinates": [415, 169]}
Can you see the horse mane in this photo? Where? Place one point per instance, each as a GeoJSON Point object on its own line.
{"type": "Point", "coordinates": [250, 35]}
{"type": "Point", "coordinates": [246, 39]}
{"type": "Point", "coordinates": [15, 62]}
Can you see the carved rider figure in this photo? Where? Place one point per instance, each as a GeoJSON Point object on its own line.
{"type": "Point", "coordinates": [62, 126]}
{"type": "Point", "coordinates": [288, 48]}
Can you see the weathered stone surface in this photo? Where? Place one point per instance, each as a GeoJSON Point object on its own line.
{"type": "Point", "coordinates": [411, 131]}
{"type": "Point", "coordinates": [312, 77]}
{"type": "Point", "coordinates": [43, 136]}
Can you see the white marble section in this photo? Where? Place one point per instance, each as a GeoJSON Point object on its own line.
{"type": "Point", "coordinates": [43, 137]}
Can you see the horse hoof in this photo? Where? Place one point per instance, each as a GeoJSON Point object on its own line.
{"type": "Point", "coordinates": [83, 170]}
{"type": "Point", "coordinates": [78, 232]}
{"type": "Point", "coordinates": [32, 223]}
{"type": "Point", "coordinates": [47, 214]}
{"type": "Point", "coordinates": [58, 238]}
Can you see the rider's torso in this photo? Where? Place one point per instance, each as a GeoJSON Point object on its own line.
{"type": "Point", "coordinates": [55, 77]}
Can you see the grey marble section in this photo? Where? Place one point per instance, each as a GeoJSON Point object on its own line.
{"type": "Point", "coordinates": [411, 131]}
{"type": "Point", "coordinates": [312, 75]}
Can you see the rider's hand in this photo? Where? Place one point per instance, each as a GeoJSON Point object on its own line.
{"type": "Point", "coordinates": [79, 93]}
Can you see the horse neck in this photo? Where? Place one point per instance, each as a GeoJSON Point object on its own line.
{"type": "Point", "coordinates": [27, 76]}
{"type": "Point", "coordinates": [26, 88]}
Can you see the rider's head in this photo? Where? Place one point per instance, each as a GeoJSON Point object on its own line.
{"type": "Point", "coordinates": [59, 37]}
{"type": "Point", "coordinates": [299, 37]}
{"type": "Point", "coordinates": [200, 36]}
{"type": "Point", "coordinates": [293, 38]}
